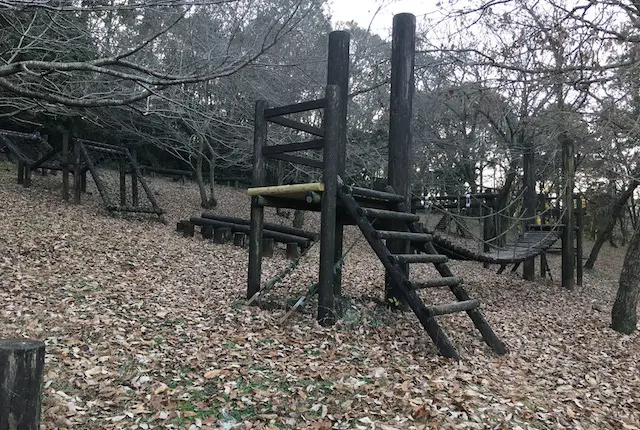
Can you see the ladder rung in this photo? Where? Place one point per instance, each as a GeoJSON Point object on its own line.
{"type": "Point", "coordinates": [451, 308]}
{"type": "Point", "coordinates": [392, 215]}
{"type": "Point", "coordinates": [403, 235]}
{"type": "Point", "coordinates": [421, 258]}
{"type": "Point", "coordinates": [447, 281]}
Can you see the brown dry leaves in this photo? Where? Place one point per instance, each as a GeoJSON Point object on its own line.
{"type": "Point", "coordinates": [146, 329]}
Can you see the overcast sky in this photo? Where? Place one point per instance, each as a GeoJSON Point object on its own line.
{"type": "Point", "coordinates": [364, 12]}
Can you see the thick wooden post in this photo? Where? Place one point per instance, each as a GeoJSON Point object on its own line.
{"type": "Point", "coordinates": [65, 165]}
{"type": "Point", "coordinates": [488, 228]}
{"type": "Point", "coordinates": [579, 234]}
{"type": "Point", "coordinates": [338, 74]}
{"type": "Point", "coordinates": [568, 233]}
{"type": "Point", "coordinates": [122, 167]}
{"type": "Point", "coordinates": [399, 163]}
{"type": "Point", "coordinates": [77, 172]}
{"type": "Point", "coordinates": [257, 211]}
{"type": "Point", "coordinates": [529, 203]}
{"type": "Point", "coordinates": [20, 172]}
{"type": "Point", "coordinates": [21, 376]}
{"type": "Point", "coordinates": [134, 179]}
{"type": "Point", "coordinates": [326, 313]}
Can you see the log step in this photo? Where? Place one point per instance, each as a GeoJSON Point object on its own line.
{"type": "Point", "coordinates": [450, 308]}
{"type": "Point", "coordinates": [421, 258]}
{"type": "Point", "coordinates": [392, 215]}
{"type": "Point", "coordinates": [403, 235]}
{"type": "Point", "coordinates": [447, 281]}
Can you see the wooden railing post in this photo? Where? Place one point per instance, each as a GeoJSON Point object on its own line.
{"type": "Point", "coordinates": [399, 164]}
{"type": "Point", "coordinates": [257, 211]}
{"type": "Point", "coordinates": [338, 74]}
{"type": "Point", "coordinates": [332, 126]}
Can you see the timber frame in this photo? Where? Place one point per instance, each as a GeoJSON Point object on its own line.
{"type": "Point", "coordinates": [384, 217]}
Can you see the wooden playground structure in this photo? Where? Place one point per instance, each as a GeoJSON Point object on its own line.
{"type": "Point", "coordinates": [113, 169]}
{"type": "Point", "coordinates": [384, 217]}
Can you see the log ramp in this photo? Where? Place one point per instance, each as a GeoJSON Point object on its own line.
{"type": "Point", "coordinates": [223, 229]}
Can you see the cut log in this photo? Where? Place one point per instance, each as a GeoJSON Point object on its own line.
{"type": "Point", "coordinates": [207, 231]}
{"type": "Point", "coordinates": [293, 251]}
{"type": "Point", "coordinates": [267, 247]}
{"type": "Point", "coordinates": [238, 239]}
{"type": "Point", "coordinates": [278, 236]}
{"type": "Point", "coordinates": [188, 230]}
{"type": "Point", "coordinates": [392, 215]}
{"type": "Point", "coordinates": [221, 235]}
{"type": "Point", "coordinates": [447, 281]}
{"type": "Point", "coordinates": [267, 225]}
{"type": "Point", "coordinates": [451, 308]}
{"type": "Point", "coordinates": [21, 376]}
{"type": "Point", "coordinates": [421, 258]}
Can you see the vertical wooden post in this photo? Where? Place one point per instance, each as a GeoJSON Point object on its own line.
{"type": "Point", "coordinates": [20, 172]}
{"type": "Point", "coordinates": [21, 376]}
{"type": "Point", "coordinates": [122, 167]}
{"type": "Point", "coordinates": [338, 74]}
{"type": "Point", "coordinates": [134, 179]}
{"type": "Point", "coordinates": [77, 172]}
{"type": "Point", "coordinates": [83, 181]}
{"type": "Point", "coordinates": [257, 211]}
{"type": "Point", "coordinates": [568, 233]}
{"type": "Point", "coordinates": [579, 233]}
{"type": "Point", "coordinates": [487, 227]}
{"type": "Point", "coordinates": [27, 175]}
{"type": "Point", "coordinates": [65, 165]}
{"type": "Point", "coordinates": [529, 203]}
{"type": "Point", "coordinates": [399, 163]}
{"type": "Point", "coordinates": [326, 315]}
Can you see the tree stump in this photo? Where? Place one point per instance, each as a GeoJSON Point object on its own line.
{"type": "Point", "coordinates": [267, 247]}
{"type": "Point", "coordinates": [221, 235]}
{"type": "Point", "coordinates": [188, 229]}
{"type": "Point", "coordinates": [293, 251]}
{"type": "Point", "coordinates": [238, 239]}
{"type": "Point", "coordinates": [21, 376]}
{"type": "Point", "coordinates": [207, 231]}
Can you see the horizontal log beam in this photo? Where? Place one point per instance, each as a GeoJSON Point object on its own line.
{"type": "Point", "coordinates": [374, 194]}
{"type": "Point", "coordinates": [421, 258]}
{"type": "Point", "coordinates": [447, 281]}
{"type": "Point", "coordinates": [281, 190]}
{"type": "Point", "coordinates": [296, 125]}
{"type": "Point", "coordinates": [295, 108]}
{"type": "Point", "coordinates": [279, 237]}
{"type": "Point", "coordinates": [392, 215]}
{"type": "Point", "coordinates": [451, 308]}
{"type": "Point", "coordinates": [297, 160]}
{"type": "Point", "coordinates": [267, 225]}
{"type": "Point", "coordinates": [293, 147]}
{"type": "Point", "coordinates": [403, 235]}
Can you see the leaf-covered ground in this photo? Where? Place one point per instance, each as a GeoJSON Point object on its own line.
{"type": "Point", "coordinates": [147, 329]}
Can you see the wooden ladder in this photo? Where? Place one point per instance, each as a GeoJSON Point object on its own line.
{"type": "Point", "coordinates": [393, 263]}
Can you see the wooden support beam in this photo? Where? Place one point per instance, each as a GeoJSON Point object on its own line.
{"type": "Point", "coordinates": [222, 235]}
{"type": "Point", "coordinates": [207, 231]}
{"type": "Point", "coordinates": [326, 305]}
{"type": "Point", "coordinates": [448, 281]}
{"type": "Point", "coordinates": [568, 236]}
{"type": "Point", "coordinates": [579, 240]}
{"type": "Point", "coordinates": [77, 172]}
{"type": "Point", "coordinates": [267, 246]}
{"type": "Point", "coordinates": [282, 190]}
{"type": "Point", "coordinates": [238, 238]}
{"type": "Point", "coordinates": [296, 125]}
{"type": "Point", "coordinates": [66, 136]}
{"type": "Point", "coordinates": [421, 258]}
{"type": "Point", "coordinates": [21, 383]}
{"type": "Point", "coordinates": [296, 159]}
{"type": "Point", "coordinates": [293, 251]}
{"type": "Point", "coordinates": [293, 147]}
{"type": "Point", "coordinates": [257, 211]}
{"type": "Point", "coordinates": [295, 108]}
{"type": "Point", "coordinates": [451, 308]}
{"type": "Point", "coordinates": [403, 46]}
{"type": "Point", "coordinates": [135, 200]}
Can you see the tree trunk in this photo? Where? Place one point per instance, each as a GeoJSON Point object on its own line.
{"type": "Point", "coordinates": [614, 214]}
{"type": "Point", "coordinates": [212, 202]}
{"type": "Point", "coordinates": [624, 316]}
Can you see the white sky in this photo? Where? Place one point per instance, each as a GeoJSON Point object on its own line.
{"type": "Point", "coordinates": [364, 12]}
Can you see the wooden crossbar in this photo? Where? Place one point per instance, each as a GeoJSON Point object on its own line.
{"type": "Point", "coordinates": [280, 190]}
